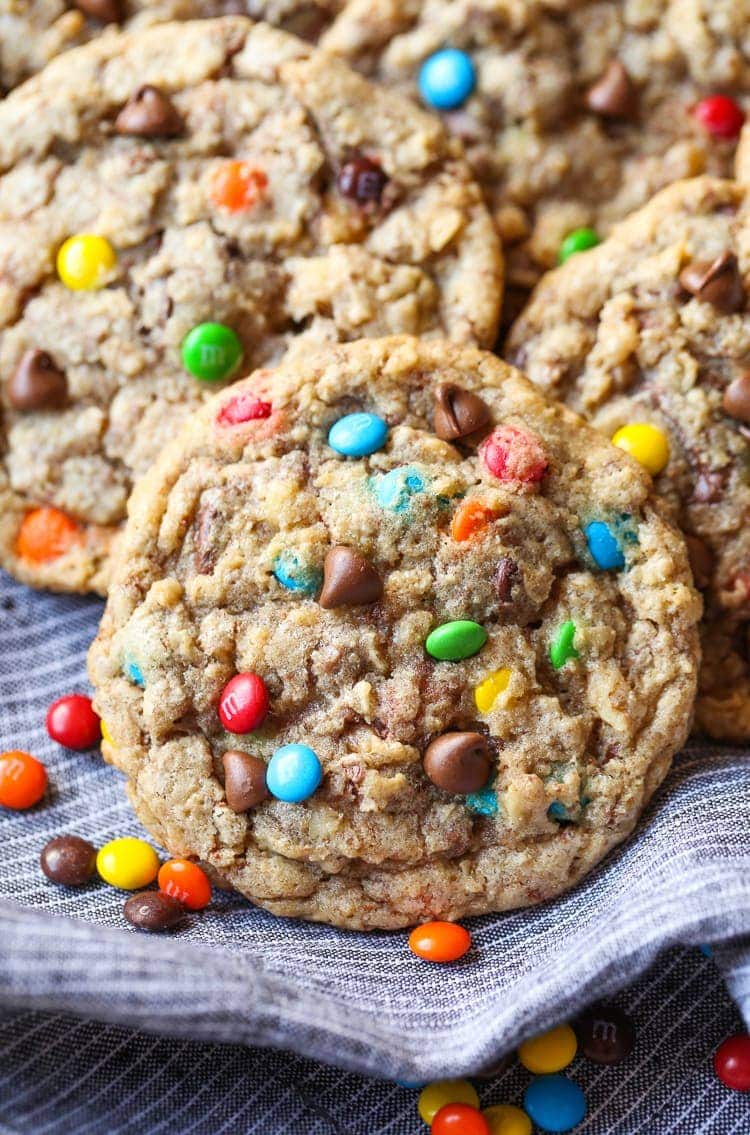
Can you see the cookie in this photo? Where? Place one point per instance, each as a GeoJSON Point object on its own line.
{"type": "Point", "coordinates": [177, 207]}
{"type": "Point", "coordinates": [649, 335]}
{"type": "Point", "coordinates": [393, 637]}
{"type": "Point", "coordinates": [33, 31]}
{"type": "Point", "coordinates": [573, 112]}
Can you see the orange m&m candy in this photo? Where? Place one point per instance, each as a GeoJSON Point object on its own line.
{"type": "Point", "coordinates": [459, 1119]}
{"type": "Point", "coordinates": [470, 518]}
{"type": "Point", "coordinates": [236, 186]}
{"type": "Point", "coordinates": [439, 941]}
{"type": "Point", "coordinates": [45, 534]}
{"type": "Point", "coordinates": [23, 780]}
{"type": "Point", "coordinates": [186, 882]}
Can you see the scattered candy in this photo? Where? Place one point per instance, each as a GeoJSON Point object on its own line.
{"type": "Point", "coordinates": [243, 704]}
{"type": "Point", "coordinates": [505, 1119]}
{"type": "Point", "coordinates": [127, 863]}
{"type": "Point", "coordinates": [85, 262]}
{"type": "Point", "coordinates": [604, 546]}
{"type": "Point", "coordinates": [361, 179]}
{"type": "Point", "coordinates": [550, 1052]}
{"type": "Point", "coordinates": [69, 860]}
{"type": "Point", "coordinates": [358, 435]}
{"type": "Point", "coordinates": [555, 1103]}
{"type": "Point", "coordinates": [246, 407]}
{"type": "Point", "coordinates": [459, 1119]}
{"type": "Point", "coordinates": [294, 773]}
{"type": "Point", "coordinates": [720, 115]}
{"type": "Point", "coordinates": [514, 454]}
{"type": "Point", "coordinates": [244, 780]}
{"type": "Point", "coordinates": [579, 240]}
{"type": "Point", "coordinates": [470, 518]}
{"type": "Point", "coordinates": [440, 942]}
{"type": "Point", "coordinates": [211, 352]}
{"type": "Point", "coordinates": [732, 1062]}
{"type": "Point", "coordinates": [23, 780]}
{"type": "Point", "coordinates": [149, 114]}
{"type": "Point", "coordinates": [605, 1034]}
{"type": "Point", "coordinates": [443, 1092]}
{"type": "Point", "coordinates": [292, 573]}
{"type": "Point", "coordinates": [394, 490]}
{"type": "Point", "coordinates": [236, 186]}
{"type": "Point", "coordinates": [561, 648]}
{"type": "Point", "coordinates": [646, 443]}
{"type": "Point", "coordinates": [459, 763]}
{"type": "Point", "coordinates": [134, 672]}
{"type": "Point", "coordinates": [186, 882]}
{"type": "Point", "coordinates": [451, 642]}
{"type": "Point", "coordinates": [349, 580]}
{"type": "Point", "coordinates": [37, 383]}
{"type": "Point", "coordinates": [71, 722]}
{"type": "Point", "coordinates": [153, 911]}
{"type": "Point", "coordinates": [458, 412]}
{"type": "Point", "coordinates": [46, 534]}
{"type": "Point", "coordinates": [447, 79]}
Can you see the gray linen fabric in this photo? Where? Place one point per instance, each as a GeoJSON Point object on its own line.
{"type": "Point", "coordinates": [361, 1002]}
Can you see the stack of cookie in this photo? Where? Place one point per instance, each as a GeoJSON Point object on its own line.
{"type": "Point", "coordinates": [391, 635]}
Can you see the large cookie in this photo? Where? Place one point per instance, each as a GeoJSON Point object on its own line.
{"type": "Point", "coordinates": [482, 627]}
{"type": "Point", "coordinates": [582, 109]}
{"type": "Point", "coordinates": [33, 31]}
{"type": "Point", "coordinates": [240, 178]}
{"type": "Point", "coordinates": [654, 327]}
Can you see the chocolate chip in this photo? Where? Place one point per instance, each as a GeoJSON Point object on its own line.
{"type": "Point", "coordinates": [458, 412]}
{"type": "Point", "coordinates": [349, 579]}
{"type": "Point", "coordinates": [458, 762]}
{"type": "Point", "coordinates": [244, 780]}
{"type": "Point", "coordinates": [106, 11]}
{"type": "Point", "coordinates": [614, 94]}
{"type": "Point", "coordinates": [37, 384]}
{"type": "Point", "coordinates": [362, 179]}
{"type": "Point", "coordinates": [701, 561]}
{"type": "Point", "coordinates": [507, 576]}
{"type": "Point", "coordinates": [717, 282]}
{"type": "Point", "coordinates": [736, 400]}
{"type": "Point", "coordinates": [605, 1034]}
{"type": "Point", "coordinates": [153, 910]}
{"type": "Point", "coordinates": [69, 860]}
{"type": "Point", "coordinates": [149, 114]}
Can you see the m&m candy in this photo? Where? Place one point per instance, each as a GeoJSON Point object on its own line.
{"type": "Point", "coordinates": [470, 519]}
{"type": "Point", "coordinates": [211, 352]}
{"type": "Point", "coordinates": [85, 262]}
{"type": "Point", "coordinates": [236, 186]}
{"type": "Point", "coordinates": [71, 722]}
{"type": "Point", "coordinates": [732, 1062]}
{"type": "Point", "coordinates": [647, 444]}
{"type": "Point", "coordinates": [514, 454]}
{"type": "Point", "coordinates": [394, 490]}
{"type": "Point", "coordinates": [23, 780]}
{"type": "Point", "coordinates": [439, 941]}
{"type": "Point", "coordinates": [505, 1119]}
{"type": "Point", "coordinates": [555, 1103]}
{"type": "Point", "coordinates": [459, 1119]}
{"type": "Point", "coordinates": [561, 648]}
{"type": "Point", "coordinates": [358, 435]}
{"type": "Point", "coordinates": [579, 240]}
{"type": "Point", "coordinates": [550, 1052]}
{"type": "Point", "coordinates": [68, 860]}
{"type": "Point", "coordinates": [292, 572]}
{"type": "Point", "coordinates": [243, 704]}
{"type": "Point", "coordinates": [153, 911]}
{"type": "Point", "coordinates": [490, 688]}
{"type": "Point", "coordinates": [46, 534]}
{"type": "Point", "coordinates": [447, 79]}
{"type": "Point", "coordinates": [127, 863]}
{"type": "Point", "coordinates": [186, 882]}
{"type": "Point", "coordinates": [603, 546]}
{"type": "Point", "coordinates": [442, 1092]}
{"type": "Point", "coordinates": [720, 115]}
{"type": "Point", "coordinates": [293, 774]}
{"type": "Point", "coordinates": [455, 641]}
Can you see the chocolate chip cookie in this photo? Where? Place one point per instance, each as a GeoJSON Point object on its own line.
{"type": "Point", "coordinates": [393, 637]}
{"type": "Point", "coordinates": [178, 206]}
{"type": "Point", "coordinates": [573, 112]}
{"type": "Point", "coordinates": [649, 337]}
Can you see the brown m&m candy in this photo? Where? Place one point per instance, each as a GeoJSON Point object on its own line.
{"type": "Point", "coordinates": [153, 911]}
{"type": "Point", "coordinates": [605, 1034]}
{"type": "Point", "coordinates": [69, 860]}
{"type": "Point", "coordinates": [613, 95]}
{"type": "Point", "coordinates": [361, 179]}
{"type": "Point", "coordinates": [149, 114]}
{"type": "Point", "coordinates": [349, 579]}
{"type": "Point", "coordinates": [244, 780]}
{"type": "Point", "coordinates": [458, 762]}
{"type": "Point", "coordinates": [458, 412]}
{"type": "Point", "coordinates": [37, 383]}
{"type": "Point", "coordinates": [717, 282]}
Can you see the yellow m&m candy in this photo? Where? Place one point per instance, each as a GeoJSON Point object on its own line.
{"type": "Point", "coordinates": [646, 443]}
{"type": "Point", "coordinates": [550, 1052]}
{"type": "Point", "coordinates": [505, 1119]}
{"type": "Point", "coordinates": [128, 863]}
{"type": "Point", "coordinates": [85, 261]}
{"type": "Point", "coordinates": [443, 1092]}
{"type": "Point", "coordinates": [488, 690]}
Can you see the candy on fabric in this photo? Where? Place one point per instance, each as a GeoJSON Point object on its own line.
{"type": "Point", "coordinates": [442, 1092]}
{"type": "Point", "coordinates": [555, 1103]}
{"type": "Point", "coordinates": [439, 942]}
{"type": "Point", "coordinates": [23, 780]}
{"type": "Point", "coordinates": [186, 882]}
{"type": "Point", "coordinates": [72, 722]}
{"type": "Point", "coordinates": [127, 863]}
{"type": "Point", "coordinates": [549, 1052]}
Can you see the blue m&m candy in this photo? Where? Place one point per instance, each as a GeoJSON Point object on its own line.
{"type": "Point", "coordinates": [447, 79]}
{"type": "Point", "coordinates": [293, 773]}
{"type": "Point", "coordinates": [394, 490]}
{"type": "Point", "coordinates": [604, 546]}
{"type": "Point", "coordinates": [555, 1103]}
{"type": "Point", "coordinates": [134, 672]}
{"type": "Point", "coordinates": [358, 435]}
{"type": "Point", "coordinates": [294, 574]}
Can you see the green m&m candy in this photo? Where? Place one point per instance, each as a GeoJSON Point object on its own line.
{"type": "Point", "coordinates": [453, 641]}
{"type": "Point", "coordinates": [577, 241]}
{"type": "Point", "coordinates": [561, 647]}
{"type": "Point", "coordinates": [211, 352]}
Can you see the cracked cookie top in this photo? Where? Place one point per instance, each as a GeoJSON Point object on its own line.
{"type": "Point", "coordinates": [391, 636]}
{"type": "Point", "coordinates": [653, 329]}
{"type": "Point", "coordinates": [183, 204]}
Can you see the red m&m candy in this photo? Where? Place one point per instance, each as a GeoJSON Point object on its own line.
{"type": "Point", "coordinates": [186, 882]}
{"type": "Point", "coordinates": [459, 1119]}
{"type": "Point", "coordinates": [245, 407]}
{"type": "Point", "coordinates": [23, 780]}
{"type": "Point", "coordinates": [732, 1062]}
{"type": "Point", "coordinates": [71, 722]}
{"type": "Point", "coordinates": [513, 454]}
{"type": "Point", "coordinates": [243, 704]}
{"type": "Point", "coordinates": [719, 115]}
